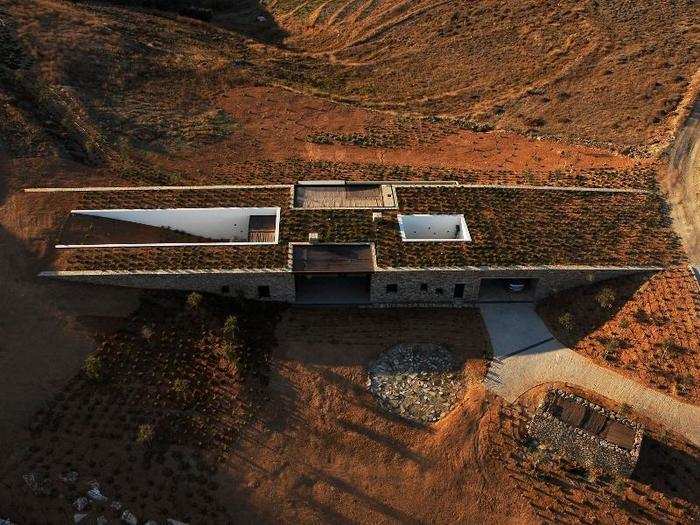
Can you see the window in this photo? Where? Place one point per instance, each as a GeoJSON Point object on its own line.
{"type": "Point", "coordinates": [439, 291]}
{"type": "Point", "coordinates": [392, 288]}
{"type": "Point", "coordinates": [423, 287]}
{"type": "Point", "coordinates": [225, 289]}
{"type": "Point", "coordinates": [459, 290]}
{"type": "Point", "coordinates": [263, 291]}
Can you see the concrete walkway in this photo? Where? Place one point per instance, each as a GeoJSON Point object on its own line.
{"type": "Point", "coordinates": [526, 355]}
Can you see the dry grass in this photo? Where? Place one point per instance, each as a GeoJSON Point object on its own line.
{"type": "Point", "coordinates": [650, 333]}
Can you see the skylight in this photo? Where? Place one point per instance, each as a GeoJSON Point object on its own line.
{"type": "Point", "coordinates": [433, 228]}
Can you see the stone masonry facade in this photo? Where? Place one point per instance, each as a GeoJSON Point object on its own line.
{"type": "Point", "coordinates": [267, 286]}
{"type": "Point", "coordinates": [438, 286]}
{"type": "Point", "coordinates": [423, 287]}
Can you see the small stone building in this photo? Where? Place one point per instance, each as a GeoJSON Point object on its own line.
{"type": "Point", "coordinates": [586, 433]}
{"type": "Point", "coordinates": [383, 243]}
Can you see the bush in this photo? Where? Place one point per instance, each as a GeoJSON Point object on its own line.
{"type": "Point", "coordinates": [606, 298]}
{"type": "Point", "coordinates": [611, 348]}
{"type": "Point", "coordinates": [669, 348]}
{"type": "Point", "coordinates": [145, 434]}
{"type": "Point", "coordinates": [231, 326]}
{"type": "Point", "coordinates": [641, 316]}
{"type": "Point", "coordinates": [180, 387]}
{"type": "Point", "coordinates": [618, 485]}
{"type": "Point", "coordinates": [94, 368]}
{"type": "Point", "coordinates": [194, 300]}
{"type": "Point", "coordinates": [566, 321]}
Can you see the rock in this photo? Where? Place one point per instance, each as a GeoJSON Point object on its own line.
{"type": "Point", "coordinates": [151, 522]}
{"type": "Point", "coordinates": [129, 518]}
{"type": "Point", "coordinates": [115, 505]}
{"type": "Point", "coordinates": [101, 520]}
{"type": "Point", "coordinates": [81, 503]}
{"type": "Point", "coordinates": [77, 518]}
{"type": "Point", "coordinates": [69, 477]}
{"type": "Point", "coordinates": [171, 521]}
{"type": "Point", "coordinates": [95, 495]}
{"type": "Point", "coordinates": [5, 522]}
{"type": "Point", "coordinates": [32, 481]}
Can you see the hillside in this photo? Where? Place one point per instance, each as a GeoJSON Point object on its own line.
{"type": "Point", "coordinates": [568, 68]}
{"type": "Point", "coordinates": [108, 85]}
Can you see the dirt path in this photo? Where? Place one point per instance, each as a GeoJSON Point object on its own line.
{"type": "Point", "coordinates": [683, 183]}
{"type": "Point", "coordinates": [526, 355]}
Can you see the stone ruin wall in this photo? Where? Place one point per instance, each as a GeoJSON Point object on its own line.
{"type": "Point", "coordinates": [584, 448]}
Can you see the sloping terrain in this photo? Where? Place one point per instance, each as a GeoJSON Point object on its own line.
{"type": "Point", "coordinates": [104, 93]}
{"type": "Point", "coordinates": [115, 86]}
{"type": "Point", "coordinates": [644, 327]}
{"type": "Point", "coordinates": [607, 71]}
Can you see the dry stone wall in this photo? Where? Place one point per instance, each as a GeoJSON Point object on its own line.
{"type": "Point", "coordinates": [438, 286]}
{"type": "Point", "coordinates": [584, 448]}
{"type": "Point", "coordinates": [281, 284]}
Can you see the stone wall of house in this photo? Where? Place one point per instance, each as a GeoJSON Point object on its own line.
{"type": "Point", "coordinates": [437, 286]}
{"type": "Point", "coordinates": [584, 448]}
{"type": "Point", "coordinates": [281, 284]}
{"type": "Point", "coordinates": [427, 287]}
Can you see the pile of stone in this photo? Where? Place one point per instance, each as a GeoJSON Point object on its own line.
{"type": "Point", "coordinates": [419, 382]}
{"type": "Point", "coordinates": [93, 502]}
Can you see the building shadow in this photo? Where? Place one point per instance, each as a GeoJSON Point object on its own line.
{"type": "Point", "coordinates": [247, 17]}
{"type": "Point", "coordinates": [363, 498]}
{"type": "Point", "coordinates": [674, 472]}
{"type": "Point", "coordinates": [250, 18]}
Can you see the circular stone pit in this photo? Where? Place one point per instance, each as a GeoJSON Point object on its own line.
{"type": "Point", "coordinates": [419, 382]}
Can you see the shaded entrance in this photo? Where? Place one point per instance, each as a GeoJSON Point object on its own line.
{"type": "Point", "coordinates": [508, 290]}
{"type": "Point", "coordinates": [332, 273]}
{"type": "Point", "coordinates": [332, 288]}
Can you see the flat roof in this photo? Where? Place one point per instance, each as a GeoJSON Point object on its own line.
{"type": "Point", "coordinates": [332, 258]}
{"type": "Point", "coordinates": [509, 228]}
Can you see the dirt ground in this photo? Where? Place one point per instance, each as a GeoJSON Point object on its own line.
{"type": "Point", "coordinates": [47, 327]}
{"type": "Point", "coordinates": [300, 439]}
{"type": "Point", "coordinates": [324, 452]}
{"type": "Point", "coordinates": [648, 328]}
{"type": "Point", "coordinates": [98, 95]}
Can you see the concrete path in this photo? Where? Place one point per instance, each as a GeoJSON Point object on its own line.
{"type": "Point", "coordinates": [526, 355]}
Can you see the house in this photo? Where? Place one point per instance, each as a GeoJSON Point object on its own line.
{"type": "Point", "coordinates": [384, 242]}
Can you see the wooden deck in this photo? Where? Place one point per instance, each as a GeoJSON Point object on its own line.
{"type": "Point", "coordinates": [345, 196]}
{"type": "Point", "coordinates": [332, 258]}
{"type": "Point", "coordinates": [596, 423]}
{"type": "Point", "coordinates": [262, 228]}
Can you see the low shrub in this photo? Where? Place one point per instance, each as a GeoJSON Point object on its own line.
{"type": "Point", "coordinates": [194, 300]}
{"type": "Point", "coordinates": [611, 349]}
{"type": "Point", "coordinates": [566, 321]}
{"type": "Point", "coordinates": [145, 434]}
{"type": "Point", "coordinates": [606, 298]}
{"type": "Point", "coordinates": [231, 326]}
{"type": "Point", "coordinates": [94, 368]}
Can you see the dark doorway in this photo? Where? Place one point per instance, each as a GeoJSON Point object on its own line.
{"type": "Point", "coordinates": [459, 291]}
{"type": "Point", "coordinates": [511, 290]}
{"type": "Point", "coordinates": [332, 288]}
